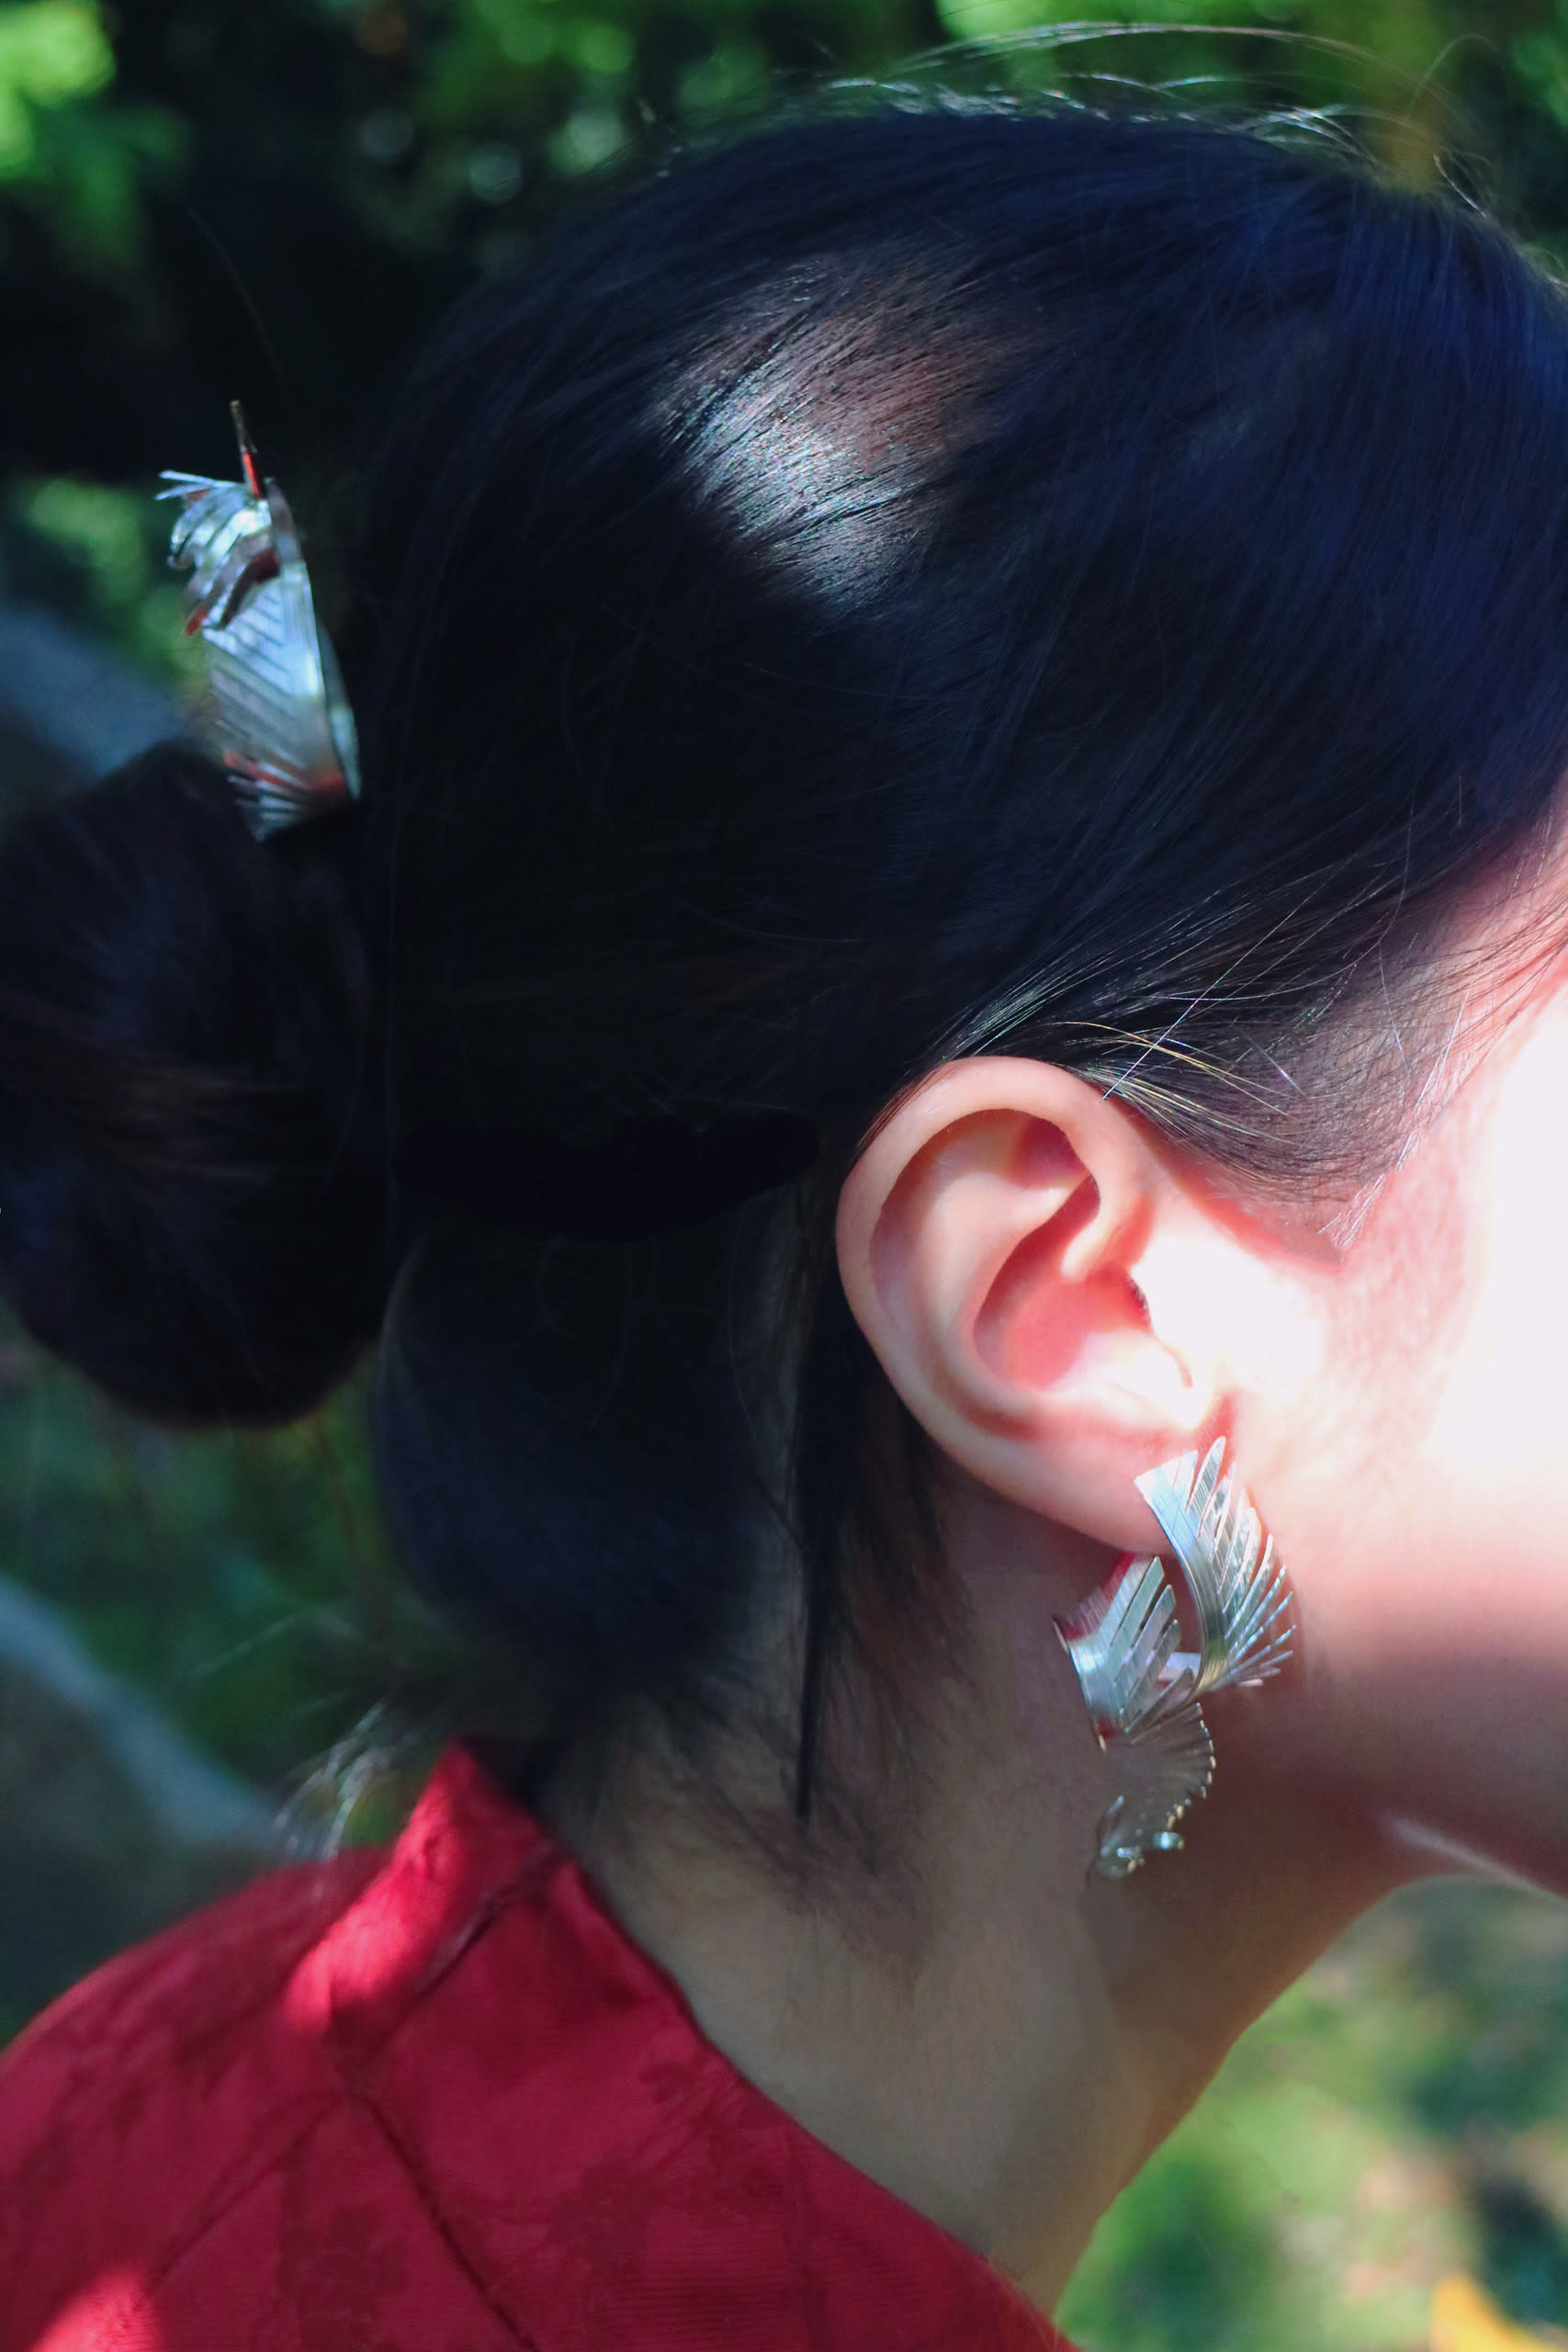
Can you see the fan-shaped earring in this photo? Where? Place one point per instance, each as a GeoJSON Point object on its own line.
{"type": "Point", "coordinates": [1141, 1688]}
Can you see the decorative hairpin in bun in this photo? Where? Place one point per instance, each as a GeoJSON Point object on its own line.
{"type": "Point", "coordinates": [283, 726]}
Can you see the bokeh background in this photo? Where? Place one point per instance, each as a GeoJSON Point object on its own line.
{"type": "Point", "coordinates": [199, 1636]}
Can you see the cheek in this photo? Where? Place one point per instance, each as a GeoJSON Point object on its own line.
{"type": "Point", "coordinates": [1449, 1363]}
{"type": "Point", "coordinates": [1395, 1315]}
{"type": "Point", "coordinates": [1498, 1427]}
{"type": "Point", "coordinates": [1423, 1498]}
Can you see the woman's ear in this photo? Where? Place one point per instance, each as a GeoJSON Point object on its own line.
{"type": "Point", "coordinates": [1031, 1274]}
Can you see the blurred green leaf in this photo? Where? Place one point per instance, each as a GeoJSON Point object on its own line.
{"type": "Point", "coordinates": [51, 50]}
{"type": "Point", "coordinates": [101, 554]}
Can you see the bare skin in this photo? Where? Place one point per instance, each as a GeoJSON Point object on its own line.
{"type": "Point", "coordinates": [1061, 1301]}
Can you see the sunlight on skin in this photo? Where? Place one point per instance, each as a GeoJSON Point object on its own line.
{"type": "Point", "coordinates": [1419, 1491]}
{"type": "Point", "coordinates": [1061, 1299]}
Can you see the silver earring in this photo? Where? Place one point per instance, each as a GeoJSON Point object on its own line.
{"type": "Point", "coordinates": [1141, 1688]}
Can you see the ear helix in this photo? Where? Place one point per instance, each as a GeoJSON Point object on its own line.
{"type": "Point", "coordinates": [1140, 1688]}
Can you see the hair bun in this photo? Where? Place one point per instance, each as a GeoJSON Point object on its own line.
{"type": "Point", "coordinates": [192, 1202]}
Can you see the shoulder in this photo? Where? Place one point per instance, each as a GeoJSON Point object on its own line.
{"type": "Point", "coordinates": [196, 2146]}
{"type": "Point", "coordinates": [128, 2109]}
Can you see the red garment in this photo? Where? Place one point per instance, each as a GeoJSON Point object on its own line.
{"type": "Point", "coordinates": [436, 2101]}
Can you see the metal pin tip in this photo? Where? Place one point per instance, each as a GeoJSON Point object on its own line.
{"type": "Point", "coordinates": [250, 465]}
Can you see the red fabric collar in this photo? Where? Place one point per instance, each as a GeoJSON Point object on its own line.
{"type": "Point", "coordinates": [463, 2113]}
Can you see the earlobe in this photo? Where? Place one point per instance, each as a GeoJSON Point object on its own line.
{"type": "Point", "coordinates": [991, 1239]}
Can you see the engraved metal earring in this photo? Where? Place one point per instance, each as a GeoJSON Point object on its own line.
{"type": "Point", "coordinates": [1141, 1688]}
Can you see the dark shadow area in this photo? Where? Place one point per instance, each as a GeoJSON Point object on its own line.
{"type": "Point", "coordinates": [1523, 2249]}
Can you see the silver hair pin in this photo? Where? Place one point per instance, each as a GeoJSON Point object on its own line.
{"type": "Point", "coordinates": [283, 725]}
{"type": "Point", "coordinates": [1141, 1688]}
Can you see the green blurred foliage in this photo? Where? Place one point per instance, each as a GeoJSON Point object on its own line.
{"type": "Point", "coordinates": [50, 52]}
{"type": "Point", "coordinates": [241, 1581]}
{"type": "Point", "coordinates": [1400, 2115]}
{"type": "Point", "coordinates": [275, 199]}
{"type": "Point", "coordinates": [199, 197]}
{"type": "Point", "coordinates": [76, 165]}
{"type": "Point", "coordinates": [96, 551]}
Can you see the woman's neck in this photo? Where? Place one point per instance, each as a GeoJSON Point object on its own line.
{"type": "Point", "coordinates": [994, 2034]}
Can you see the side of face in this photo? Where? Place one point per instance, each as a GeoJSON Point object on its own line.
{"type": "Point", "coordinates": [1421, 1482]}
{"type": "Point", "coordinates": [1061, 1301]}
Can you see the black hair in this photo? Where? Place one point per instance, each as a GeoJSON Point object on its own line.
{"type": "Point", "coordinates": [938, 582]}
